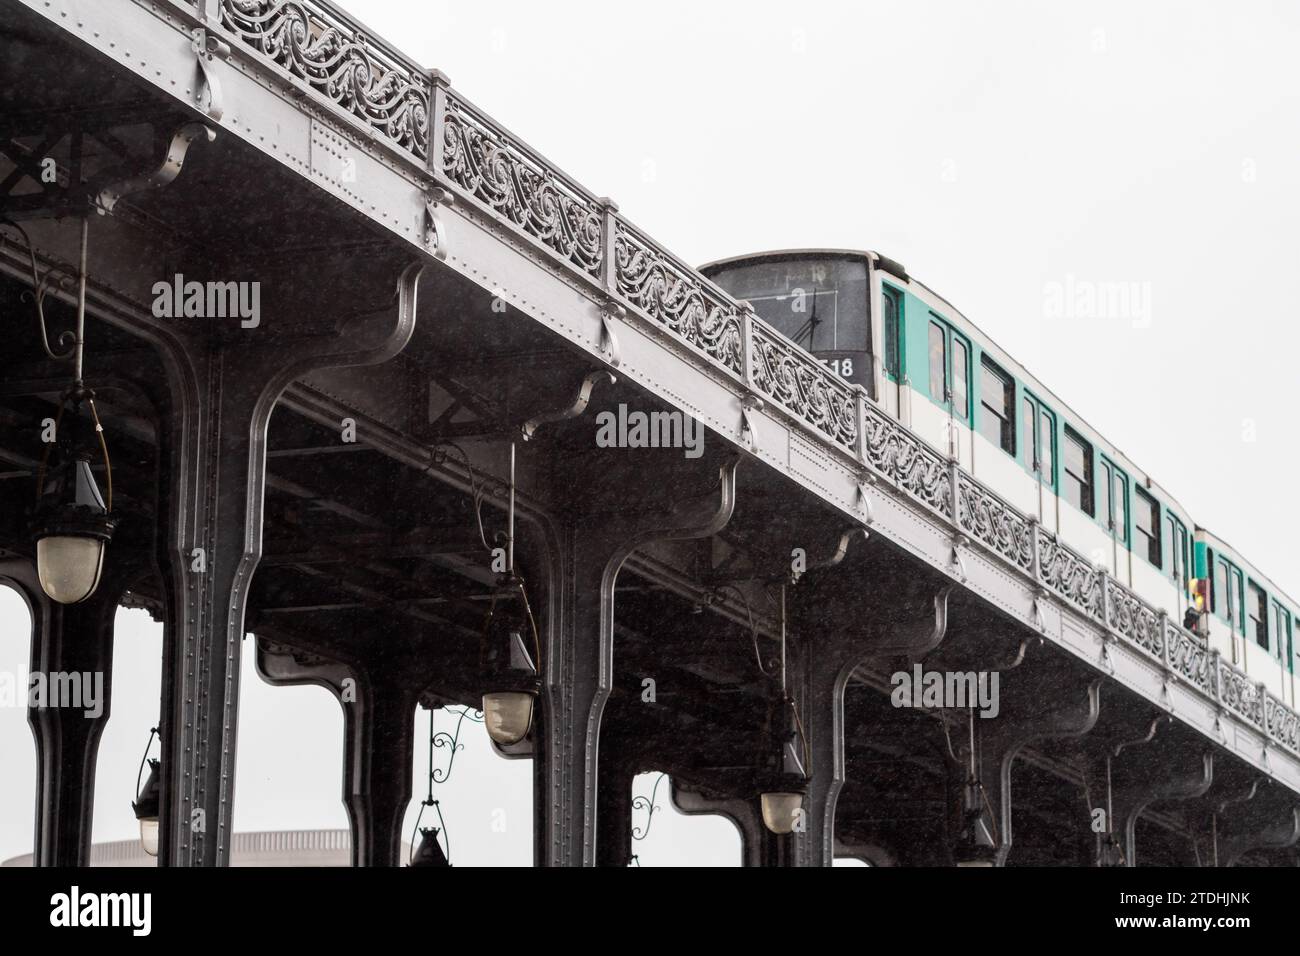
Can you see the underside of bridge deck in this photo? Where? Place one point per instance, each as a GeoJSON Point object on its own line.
{"type": "Point", "coordinates": [333, 475]}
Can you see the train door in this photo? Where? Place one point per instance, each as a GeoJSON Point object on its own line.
{"type": "Point", "coordinates": [1112, 512]}
{"type": "Point", "coordinates": [1038, 425]}
{"type": "Point", "coordinates": [949, 354]}
{"type": "Point", "coordinates": [1179, 568]}
{"type": "Point", "coordinates": [892, 379]}
{"type": "Point", "coordinates": [1286, 651]}
{"type": "Point", "coordinates": [1227, 602]}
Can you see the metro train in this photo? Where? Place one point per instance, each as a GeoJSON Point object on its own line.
{"type": "Point", "coordinates": [931, 368]}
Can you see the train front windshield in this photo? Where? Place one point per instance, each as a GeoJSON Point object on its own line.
{"type": "Point", "coordinates": [818, 303]}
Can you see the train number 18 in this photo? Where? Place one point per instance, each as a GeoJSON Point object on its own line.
{"type": "Point", "coordinates": [843, 367]}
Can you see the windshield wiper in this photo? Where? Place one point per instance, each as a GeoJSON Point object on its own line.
{"type": "Point", "coordinates": [809, 328]}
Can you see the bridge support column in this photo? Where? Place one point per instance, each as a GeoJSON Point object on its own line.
{"type": "Point", "coordinates": [1019, 726]}
{"type": "Point", "coordinates": [214, 454]}
{"type": "Point", "coordinates": [580, 674]}
{"type": "Point", "coordinates": [1270, 827]}
{"type": "Point", "coordinates": [68, 702]}
{"type": "Point", "coordinates": [379, 702]}
{"type": "Point", "coordinates": [826, 667]}
{"type": "Point", "coordinates": [758, 845]}
{"type": "Point", "coordinates": [1176, 772]}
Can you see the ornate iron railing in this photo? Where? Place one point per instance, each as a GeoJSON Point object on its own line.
{"type": "Point", "coordinates": [461, 147]}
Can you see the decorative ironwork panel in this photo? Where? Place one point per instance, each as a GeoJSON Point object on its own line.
{"type": "Point", "coordinates": [677, 297]}
{"type": "Point", "coordinates": [1189, 658]}
{"type": "Point", "coordinates": [512, 181]}
{"type": "Point", "coordinates": [907, 461]}
{"type": "Point", "coordinates": [1240, 694]}
{"type": "Point", "coordinates": [319, 45]}
{"type": "Point", "coordinates": [1283, 723]}
{"type": "Point", "coordinates": [1069, 575]}
{"type": "Point", "coordinates": [994, 522]}
{"type": "Point", "coordinates": [1134, 619]}
{"type": "Point", "coordinates": [802, 384]}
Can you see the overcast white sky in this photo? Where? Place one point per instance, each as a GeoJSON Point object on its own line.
{"type": "Point", "coordinates": [993, 148]}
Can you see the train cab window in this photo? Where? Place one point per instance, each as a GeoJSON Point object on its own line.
{"type": "Point", "coordinates": [997, 401]}
{"type": "Point", "coordinates": [1076, 482]}
{"type": "Point", "coordinates": [938, 363]}
{"type": "Point", "coordinates": [890, 323]}
{"type": "Point", "coordinates": [1257, 612]}
{"type": "Point", "coordinates": [817, 301]}
{"type": "Point", "coordinates": [1146, 524]}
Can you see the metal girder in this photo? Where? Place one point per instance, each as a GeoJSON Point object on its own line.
{"type": "Point", "coordinates": [216, 441]}
{"type": "Point", "coordinates": [1073, 717]}
{"type": "Point", "coordinates": [579, 672]}
{"type": "Point", "coordinates": [75, 639]}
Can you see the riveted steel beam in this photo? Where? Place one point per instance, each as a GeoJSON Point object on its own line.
{"type": "Point", "coordinates": [211, 541]}
{"type": "Point", "coordinates": [578, 681]}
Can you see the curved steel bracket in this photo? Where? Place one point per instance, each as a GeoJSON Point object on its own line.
{"type": "Point", "coordinates": [207, 47]}
{"type": "Point", "coordinates": [1068, 720]}
{"type": "Point", "coordinates": [959, 541]}
{"type": "Point", "coordinates": [610, 311]}
{"type": "Point", "coordinates": [435, 234]}
{"type": "Point", "coordinates": [1146, 739]}
{"type": "Point", "coordinates": [166, 172]}
{"type": "Point", "coordinates": [866, 480]}
{"type": "Point", "coordinates": [573, 410]}
{"type": "Point", "coordinates": [841, 549]}
{"type": "Point", "coordinates": [1281, 835]}
{"type": "Point", "coordinates": [748, 404]}
{"type": "Point", "coordinates": [1241, 797]}
{"type": "Point", "coordinates": [917, 638]}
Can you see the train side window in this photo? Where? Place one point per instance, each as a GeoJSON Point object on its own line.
{"type": "Point", "coordinates": [890, 320]}
{"type": "Point", "coordinates": [1027, 434]}
{"type": "Point", "coordinates": [960, 379]}
{"type": "Point", "coordinates": [1237, 599]}
{"type": "Point", "coordinates": [1047, 446]}
{"type": "Point", "coordinates": [1146, 522]}
{"type": "Point", "coordinates": [997, 401]}
{"type": "Point", "coordinates": [1121, 505]}
{"type": "Point", "coordinates": [938, 363]}
{"type": "Point", "coordinates": [1077, 481]}
{"type": "Point", "coordinates": [1220, 596]}
{"type": "Point", "coordinates": [1285, 645]}
{"type": "Point", "coordinates": [1181, 555]}
{"type": "Point", "coordinates": [1040, 440]}
{"type": "Point", "coordinates": [1257, 610]}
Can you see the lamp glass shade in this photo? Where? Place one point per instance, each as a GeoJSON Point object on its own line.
{"type": "Point", "coordinates": [69, 566]}
{"type": "Point", "coordinates": [149, 835]}
{"type": "Point", "coordinates": [508, 715]}
{"type": "Point", "coordinates": [781, 810]}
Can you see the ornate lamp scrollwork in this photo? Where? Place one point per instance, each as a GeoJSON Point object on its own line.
{"type": "Point", "coordinates": [431, 851]}
{"type": "Point", "coordinates": [646, 804]}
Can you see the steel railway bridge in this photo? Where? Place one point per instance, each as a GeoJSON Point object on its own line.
{"type": "Point", "coordinates": [432, 283]}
